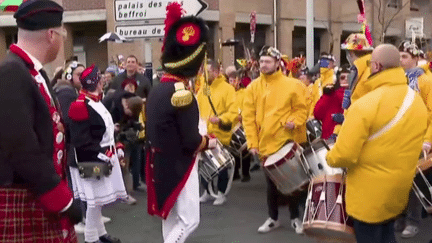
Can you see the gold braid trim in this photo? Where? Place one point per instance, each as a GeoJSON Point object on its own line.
{"type": "Point", "coordinates": [187, 59]}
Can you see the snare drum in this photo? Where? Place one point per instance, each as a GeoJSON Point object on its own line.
{"type": "Point", "coordinates": [287, 170]}
{"type": "Point", "coordinates": [314, 129]}
{"type": "Point", "coordinates": [325, 217]}
{"type": "Point", "coordinates": [422, 183]}
{"type": "Point", "coordinates": [213, 161]}
{"type": "Point", "coordinates": [238, 140]}
{"type": "Point", "coordinates": [315, 157]}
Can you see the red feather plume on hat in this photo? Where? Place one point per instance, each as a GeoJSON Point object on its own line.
{"type": "Point", "coordinates": [174, 14]}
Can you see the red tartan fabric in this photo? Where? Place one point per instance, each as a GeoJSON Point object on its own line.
{"type": "Point", "coordinates": [22, 220]}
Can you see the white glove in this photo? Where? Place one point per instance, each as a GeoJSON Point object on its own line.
{"type": "Point", "coordinates": [212, 143]}
{"type": "Point", "coordinates": [120, 154]}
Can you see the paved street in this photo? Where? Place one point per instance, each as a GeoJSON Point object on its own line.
{"type": "Point", "coordinates": [236, 221]}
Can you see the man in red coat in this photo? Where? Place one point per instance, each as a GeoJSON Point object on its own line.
{"type": "Point", "coordinates": [329, 109]}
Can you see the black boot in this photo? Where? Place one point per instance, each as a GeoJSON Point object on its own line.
{"type": "Point", "coordinates": [109, 239]}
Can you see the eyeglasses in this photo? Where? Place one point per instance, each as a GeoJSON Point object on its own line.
{"type": "Point", "coordinates": [62, 32]}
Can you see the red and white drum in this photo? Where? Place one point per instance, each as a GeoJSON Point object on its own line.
{"type": "Point", "coordinates": [315, 157]}
{"type": "Point", "coordinates": [325, 217]}
{"type": "Point", "coordinates": [287, 170]}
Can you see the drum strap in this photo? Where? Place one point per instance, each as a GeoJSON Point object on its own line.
{"type": "Point", "coordinates": [409, 99]}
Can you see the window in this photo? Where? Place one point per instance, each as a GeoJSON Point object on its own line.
{"type": "Point", "coordinates": [393, 4]}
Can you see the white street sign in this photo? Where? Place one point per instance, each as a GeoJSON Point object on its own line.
{"type": "Point", "coordinates": [135, 10]}
{"type": "Point", "coordinates": [140, 31]}
{"type": "Point", "coordinates": [414, 25]}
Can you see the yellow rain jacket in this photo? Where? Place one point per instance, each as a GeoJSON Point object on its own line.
{"type": "Point", "coordinates": [270, 102]}
{"type": "Point", "coordinates": [425, 87]}
{"type": "Point", "coordinates": [309, 97]}
{"type": "Point", "coordinates": [237, 107]}
{"type": "Point", "coordinates": [222, 95]}
{"type": "Point", "coordinates": [326, 77]}
{"type": "Point", "coordinates": [198, 83]}
{"type": "Point", "coordinates": [300, 131]}
{"type": "Point", "coordinates": [380, 171]}
{"type": "Point", "coordinates": [363, 74]}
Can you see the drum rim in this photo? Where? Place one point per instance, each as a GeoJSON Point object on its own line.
{"type": "Point", "coordinates": [289, 155]}
{"type": "Point", "coordinates": [309, 228]}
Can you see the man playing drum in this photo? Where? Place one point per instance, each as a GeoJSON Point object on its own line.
{"type": "Point", "coordinates": [272, 109]}
{"type": "Point", "coordinates": [222, 96]}
{"type": "Point", "coordinates": [379, 144]}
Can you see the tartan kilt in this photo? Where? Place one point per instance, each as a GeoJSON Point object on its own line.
{"type": "Point", "coordinates": [22, 220]}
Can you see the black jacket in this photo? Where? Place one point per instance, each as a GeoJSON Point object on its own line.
{"type": "Point", "coordinates": [66, 94]}
{"type": "Point", "coordinates": [144, 84]}
{"type": "Point", "coordinates": [26, 132]}
{"type": "Point", "coordinates": [173, 134]}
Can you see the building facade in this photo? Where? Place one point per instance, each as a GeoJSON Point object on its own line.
{"type": "Point", "coordinates": [279, 22]}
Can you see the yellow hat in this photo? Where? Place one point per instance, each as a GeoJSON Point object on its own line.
{"type": "Point", "coordinates": [357, 42]}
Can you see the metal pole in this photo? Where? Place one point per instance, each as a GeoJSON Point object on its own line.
{"type": "Point", "coordinates": [275, 23]}
{"type": "Point", "coordinates": [310, 33]}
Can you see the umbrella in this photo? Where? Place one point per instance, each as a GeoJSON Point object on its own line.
{"type": "Point", "coordinates": [11, 5]}
{"type": "Point", "coordinates": [230, 42]}
{"type": "Point", "coordinates": [110, 36]}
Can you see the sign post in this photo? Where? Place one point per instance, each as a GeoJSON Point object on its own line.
{"type": "Point", "coordinates": [414, 25]}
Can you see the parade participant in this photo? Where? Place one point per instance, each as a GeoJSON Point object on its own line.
{"type": "Point", "coordinates": [327, 65]}
{"type": "Point", "coordinates": [36, 204]}
{"type": "Point", "coordinates": [222, 95]}
{"type": "Point", "coordinates": [358, 53]}
{"type": "Point", "coordinates": [172, 129]}
{"type": "Point", "coordinates": [272, 109]}
{"type": "Point", "coordinates": [367, 147]}
{"type": "Point", "coordinates": [420, 82]}
{"type": "Point", "coordinates": [237, 108]}
{"type": "Point", "coordinates": [131, 72]}
{"type": "Point", "coordinates": [329, 109]}
{"type": "Point", "coordinates": [306, 77]}
{"type": "Point", "coordinates": [92, 132]}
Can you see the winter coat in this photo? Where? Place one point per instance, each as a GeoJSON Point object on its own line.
{"type": "Point", "coordinates": [222, 95]}
{"type": "Point", "coordinates": [328, 105]}
{"type": "Point", "coordinates": [270, 102]}
{"type": "Point", "coordinates": [380, 170]}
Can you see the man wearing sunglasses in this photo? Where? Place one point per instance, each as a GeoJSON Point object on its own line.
{"type": "Point", "coordinates": [379, 145]}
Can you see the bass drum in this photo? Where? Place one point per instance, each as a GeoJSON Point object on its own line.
{"type": "Point", "coordinates": [325, 217]}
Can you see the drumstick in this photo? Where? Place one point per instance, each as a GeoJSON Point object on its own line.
{"type": "Point", "coordinates": [425, 154]}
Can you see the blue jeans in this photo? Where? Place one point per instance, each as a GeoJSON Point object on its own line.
{"type": "Point", "coordinates": [374, 233]}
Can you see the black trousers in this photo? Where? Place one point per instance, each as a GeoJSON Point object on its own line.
{"type": "Point", "coordinates": [374, 233]}
{"type": "Point", "coordinates": [275, 198]}
{"type": "Point", "coordinates": [245, 165]}
{"type": "Point", "coordinates": [222, 184]}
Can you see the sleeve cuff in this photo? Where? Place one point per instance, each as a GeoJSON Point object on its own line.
{"type": "Point", "coordinates": [56, 199]}
{"type": "Point", "coordinates": [67, 207]}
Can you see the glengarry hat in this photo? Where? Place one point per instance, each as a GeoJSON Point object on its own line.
{"type": "Point", "coordinates": [90, 78]}
{"type": "Point", "coordinates": [39, 14]}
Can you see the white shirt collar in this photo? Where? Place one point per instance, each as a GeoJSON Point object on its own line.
{"type": "Point", "coordinates": [37, 64]}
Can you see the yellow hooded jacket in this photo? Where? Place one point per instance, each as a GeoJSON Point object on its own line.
{"type": "Point", "coordinates": [363, 72]}
{"type": "Point", "coordinates": [270, 102]}
{"type": "Point", "coordinates": [326, 77]}
{"type": "Point", "coordinates": [237, 107]}
{"type": "Point", "coordinates": [222, 95]}
{"type": "Point", "coordinates": [300, 131]}
{"type": "Point", "coordinates": [425, 87]}
{"type": "Point", "coordinates": [380, 171]}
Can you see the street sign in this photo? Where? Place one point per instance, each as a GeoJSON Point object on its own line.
{"type": "Point", "coordinates": [135, 10]}
{"type": "Point", "coordinates": [140, 31]}
{"type": "Point", "coordinates": [414, 26]}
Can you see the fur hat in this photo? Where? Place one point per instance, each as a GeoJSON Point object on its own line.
{"type": "Point", "coordinates": [185, 42]}
{"type": "Point", "coordinates": [411, 48]}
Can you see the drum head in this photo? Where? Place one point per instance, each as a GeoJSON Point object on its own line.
{"type": "Point", "coordinates": [276, 157]}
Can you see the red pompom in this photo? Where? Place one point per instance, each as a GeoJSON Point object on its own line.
{"type": "Point", "coordinates": [174, 14]}
{"type": "Point", "coordinates": [78, 111]}
{"type": "Point", "coordinates": [119, 145]}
